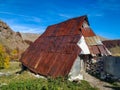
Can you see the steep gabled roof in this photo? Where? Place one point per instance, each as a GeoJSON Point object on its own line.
{"type": "Point", "coordinates": [55, 51]}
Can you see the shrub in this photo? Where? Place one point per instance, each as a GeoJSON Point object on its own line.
{"type": "Point", "coordinates": [4, 58]}
{"type": "Point", "coordinates": [14, 54]}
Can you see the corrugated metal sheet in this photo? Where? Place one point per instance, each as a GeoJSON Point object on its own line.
{"type": "Point", "coordinates": [95, 45]}
{"type": "Point", "coordinates": [55, 51]}
{"type": "Point", "coordinates": [50, 53]}
{"type": "Point", "coordinates": [87, 32]}
{"type": "Point", "coordinates": [98, 49]}
{"type": "Point", "coordinates": [94, 40]}
{"type": "Point", "coordinates": [94, 49]}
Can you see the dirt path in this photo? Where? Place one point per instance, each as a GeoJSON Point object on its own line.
{"type": "Point", "coordinates": [97, 83]}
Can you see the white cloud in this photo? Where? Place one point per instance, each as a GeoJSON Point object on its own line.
{"type": "Point", "coordinates": [27, 29]}
{"type": "Point", "coordinates": [64, 15]}
{"type": "Point", "coordinates": [28, 18]}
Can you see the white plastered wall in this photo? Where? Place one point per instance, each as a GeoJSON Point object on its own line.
{"type": "Point", "coordinates": [82, 44]}
{"type": "Point", "coordinates": [75, 73]}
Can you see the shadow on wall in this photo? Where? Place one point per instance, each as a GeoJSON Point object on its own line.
{"type": "Point", "coordinates": [112, 65]}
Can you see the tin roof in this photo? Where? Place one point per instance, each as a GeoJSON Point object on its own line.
{"type": "Point", "coordinates": [55, 51]}
{"type": "Point", "coordinates": [98, 49]}
{"type": "Point", "coordinates": [53, 56]}
{"type": "Point", "coordinates": [96, 46]}
{"type": "Point", "coordinates": [94, 40]}
{"type": "Point", "coordinates": [87, 32]}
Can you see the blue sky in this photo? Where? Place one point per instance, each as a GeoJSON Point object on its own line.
{"type": "Point", "coordinates": [34, 16]}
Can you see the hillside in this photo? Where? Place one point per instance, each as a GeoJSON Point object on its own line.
{"type": "Point", "coordinates": [30, 36]}
{"type": "Point", "coordinates": [102, 38]}
{"type": "Point", "coordinates": [113, 46]}
{"type": "Point", "coordinates": [10, 39]}
{"type": "Point", "coordinates": [15, 41]}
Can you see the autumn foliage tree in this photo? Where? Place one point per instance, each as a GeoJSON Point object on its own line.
{"type": "Point", "coordinates": [4, 58]}
{"type": "Point", "coordinates": [14, 55]}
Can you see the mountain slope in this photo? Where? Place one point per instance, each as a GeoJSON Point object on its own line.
{"type": "Point", "coordinates": [11, 40]}
{"type": "Point", "coordinates": [30, 36]}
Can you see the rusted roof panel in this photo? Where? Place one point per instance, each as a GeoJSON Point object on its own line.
{"type": "Point", "coordinates": [47, 58]}
{"type": "Point", "coordinates": [98, 49]}
{"type": "Point", "coordinates": [96, 46]}
{"type": "Point", "coordinates": [94, 40]}
{"type": "Point", "coordinates": [87, 32]}
{"type": "Point", "coordinates": [69, 27]}
{"type": "Point", "coordinates": [94, 49]}
{"type": "Point", "coordinates": [103, 50]}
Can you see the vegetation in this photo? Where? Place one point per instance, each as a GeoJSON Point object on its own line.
{"type": "Point", "coordinates": [14, 54]}
{"type": "Point", "coordinates": [27, 81]}
{"type": "Point", "coordinates": [4, 58]}
{"type": "Point", "coordinates": [13, 67]}
{"type": "Point", "coordinates": [43, 84]}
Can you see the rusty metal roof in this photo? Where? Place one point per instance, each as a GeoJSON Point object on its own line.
{"type": "Point", "coordinates": [96, 46]}
{"type": "Point", "coordinates": [94, 40]}
{"type": "Point", "coordinates": [55, 51]}
{"type": "Point", "coordinates": [98, 49]}
{"type": "Point", "coordinates": [87, 32]}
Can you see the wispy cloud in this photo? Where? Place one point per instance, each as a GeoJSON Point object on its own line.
{"type": "Point", "coordinates": [29, 18]}
{"type": "Point", "coordinates": [64, 15]}
{"type": "Point", "coordinates": [13, 14]}
{"type": "Point", "coordinates": [27, 29]}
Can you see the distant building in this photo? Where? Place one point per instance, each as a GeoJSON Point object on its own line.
{"type": "Point", "coordinates": [64, 49]}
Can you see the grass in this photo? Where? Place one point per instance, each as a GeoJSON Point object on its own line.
{"type": "Point", "coordinates": [26, 81]}
{"type": "Point", "coordinates": [43, 84]}
{"type": "Point", "coordinates": [14, 66]}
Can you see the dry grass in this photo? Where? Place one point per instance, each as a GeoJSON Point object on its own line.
{"type": "Point", "coordinates": [115, 51]}
{"type": "Point", "coordinates": [14, 67]}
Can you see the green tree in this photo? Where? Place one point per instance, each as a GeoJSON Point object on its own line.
{"type": "Point", "coordinates": [4, 58]}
